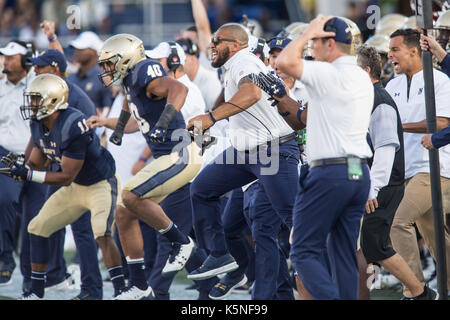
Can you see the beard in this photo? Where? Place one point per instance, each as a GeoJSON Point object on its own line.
{"type": "Point", "coordinates": [221, 58]}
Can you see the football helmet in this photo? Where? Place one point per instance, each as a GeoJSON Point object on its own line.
{"type": "Point", "coordinates": [46, 94]}
{"type": "Point", "coordinates": [295, 32]}
{"type": "Point", "coordinates": [252, 27]}
{"type": "Point", "coordinates": [288, 29]}
{"type": "Point", "coordinates": [381, 44]}
{"type": "Point", "coordinates": [442, 27]}
{"type": "Point", "coordinates": [410, 23]}
{"type": "Point", "coordinates": [394, 19]}
{"type": "Point", "coordinates": [119, 54]}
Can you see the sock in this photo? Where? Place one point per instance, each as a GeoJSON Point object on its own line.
{"type": "Point", "coordinates": [137, 274]}
{"type": "Point", "coordinates": [173, 234]}
{"type": "Point", "coordinates": [38, 283]}
{"type": "Point", "coordinates": [117, 279]}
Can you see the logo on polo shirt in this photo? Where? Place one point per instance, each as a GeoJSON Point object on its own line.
{"type": "Point", "coordinates": [420, 91]}
{"type": "Point", "coordinates": [396, 94]}
{"type": "Point", "coordinates": [89, 86]}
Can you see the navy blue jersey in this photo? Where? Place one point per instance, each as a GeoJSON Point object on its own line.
{"type": "Point", "coordinates": [147, 111]}
{"type": "Point", "coordinates": [70, 137]}
{"type": "Point", "coordinates": [78, 99]}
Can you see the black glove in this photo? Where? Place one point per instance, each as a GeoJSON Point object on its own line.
{"type": "Point", "coordinates": [18, 172]}
{"type": "Point", "coordinates": [269, 83]}
{"type": "Point", "coordinates": [157, 134]}
{"type": "Point", "coordinates": [12, 158]}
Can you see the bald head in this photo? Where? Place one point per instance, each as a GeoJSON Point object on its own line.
{"type": "Point", "coordinates": [234, 31]}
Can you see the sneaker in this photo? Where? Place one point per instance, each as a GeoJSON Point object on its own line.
{"type": "Point", "coordinates": [213, 266]}
{"type": "Point", "coordinates": [428, 294]}
{"type": "Point", "coordinates": [30, 296]}
{"type": "Point", "coordinates": [134, 293]}
{"type": "Point", "coordinates": [5, 277]}
{"type": "Point", "coordinates": [178, 257]}
{"type": "Point", "coordinates": [247, 287]}
{"type": "Point", "coordinates": [224, 288]}
{"type": "Point", "coordinates": [67, 283]}
{"type": "Point", "coordinates": [85, 296]}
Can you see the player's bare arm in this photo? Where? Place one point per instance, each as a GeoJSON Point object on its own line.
{"type": "Point", "coordinates": [37, 160]}
{"type": "Point", "coordinates": [174, 90]}
{"type": "Point", "coordinates": [69, 170]}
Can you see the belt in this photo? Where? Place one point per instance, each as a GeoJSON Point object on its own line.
{"type": "Point", "coordinates": [281, 140]}
{"type": "Point", "coordinates": [330, 161]}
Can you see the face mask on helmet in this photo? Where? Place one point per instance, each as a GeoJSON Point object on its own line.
{"type": "Point", "coordinates": [35, 107]}
{"type": "Point", "coordinates": [110, 74]}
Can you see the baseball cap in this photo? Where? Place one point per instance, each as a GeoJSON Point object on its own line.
{"type": "Point", "coordinates": [13, 48]}
{"type": "Point", "coordinates": [340, 28]}
{"type": "Point", "coordinates": [50, 57]}
{"type": "Point", "coordinates": [278, 43]}
{"type": "Point", "coordinates": [163, 50]}
{"type": "Point", "coordinates": [87, 40]}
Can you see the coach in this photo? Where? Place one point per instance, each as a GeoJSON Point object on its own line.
{"type": "Point", "coordinates": [263, 147]}
{"type": "Point", "coordinates": [334, 189]}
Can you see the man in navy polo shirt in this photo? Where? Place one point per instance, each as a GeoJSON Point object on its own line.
{"type": "Point", "coordinates": [87, 45]}
{"type": "Point", "coordinates": [53, 61]}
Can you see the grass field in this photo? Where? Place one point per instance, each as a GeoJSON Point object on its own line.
{"type": "Point", "coordinates": [177, 291]}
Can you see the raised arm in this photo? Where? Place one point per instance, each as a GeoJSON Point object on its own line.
{"type": "Point", "coordinates": [48, 27]}
{"type": "Point", "coordinates": [202, 24]}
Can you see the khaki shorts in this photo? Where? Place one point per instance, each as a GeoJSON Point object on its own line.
{"type": "Point", "coordinates": [165, 174]}
{"type": "Point", "coordinates": [69, 203]}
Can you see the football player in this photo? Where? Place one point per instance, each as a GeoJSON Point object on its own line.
{"type": "Point", "coordinates": [86, 176]}
{"type": "Point", "coordinates": [155, 100]}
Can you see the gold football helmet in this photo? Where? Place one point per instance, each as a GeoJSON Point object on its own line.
{"type": "Point", "coordinates": [410, 23]}
{"type": "Point", "coordinates": [387, 30]}
{"type": "Point", "coordinates": [379, 42]}
{"type": "Point", "coordinates": [442, 27]}
{"type": "Point", "coordinates": [46, 94]}
{"type": "Point", "coordinates": [118, 56]}
{"type": "Point", "coordinates": [393, 19]}
{"type": "Point", "coordinates": [288, 29]}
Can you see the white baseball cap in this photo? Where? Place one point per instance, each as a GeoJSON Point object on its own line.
{"type": "Point", "coordinates": [87, 40]}
{"type": "Point", "coordinates": [12, 49]}
{"type": "Point", "coordinates": [163, 50]}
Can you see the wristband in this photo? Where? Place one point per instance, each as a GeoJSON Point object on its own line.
{"type": "Point", "coordinates": [142, 159]}
{"type": "Point", "coordinates": [52, 38]}
{"type": "Point", "coordinates": [166, 117]}
{"type": "Point", "coordinates": [36, 176]}
{"type": "Point", "coordinates": [212, 117]}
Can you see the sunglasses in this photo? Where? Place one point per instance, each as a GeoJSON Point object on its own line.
{"type": "Point", "coordinates": [216, 40]}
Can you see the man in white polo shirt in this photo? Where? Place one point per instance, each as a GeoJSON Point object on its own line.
{"type": "Point", "coordinates": [407, 90]}
{"type": "Point", "coordinates": [263, 147]}
{"type": "Point", "coordinates": [334, 189]}
{"type": "Point", "coordinates": [14, 136]}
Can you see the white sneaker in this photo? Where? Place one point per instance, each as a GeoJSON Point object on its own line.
{"type": "Point", "coordinates": [178, 258]}
{"type": "Point", "coordinates": [66, 284]}
{"type": "Point", "coordinates": [134, 293]}
{"type": "Point", "coordinates": [30, 296]}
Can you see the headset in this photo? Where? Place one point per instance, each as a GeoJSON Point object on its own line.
{"type": "Point", "coordinates": [190, 46]}
{"type": "Point", "coordinates": [24, 59]}
{"type": "Point", "coordinates": [259, 50]}
{"type": "Point", "coordinates": [173, 60]}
